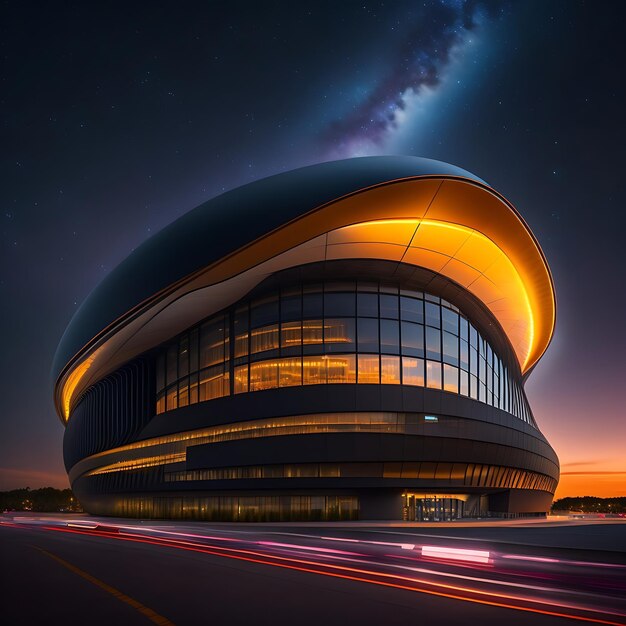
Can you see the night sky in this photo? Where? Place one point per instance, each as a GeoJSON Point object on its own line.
{"type": "Point", "coordinates": [119, 118]}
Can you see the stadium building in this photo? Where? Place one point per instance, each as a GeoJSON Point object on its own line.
{"type": "Point", "coordinates": [348, 340]}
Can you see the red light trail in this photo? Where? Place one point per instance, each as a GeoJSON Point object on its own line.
{"type": "Point", "coordinates": [357, 574]}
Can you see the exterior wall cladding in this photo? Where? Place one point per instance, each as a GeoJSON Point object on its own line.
{"type": "Point", "coordinates": [334, 368]}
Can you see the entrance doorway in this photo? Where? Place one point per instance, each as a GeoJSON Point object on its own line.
{"type": "Point", "coordinates": [425, 507]}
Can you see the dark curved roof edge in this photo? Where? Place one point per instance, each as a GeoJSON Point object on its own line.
{"type": "Point", "coordinates": [223, 225]}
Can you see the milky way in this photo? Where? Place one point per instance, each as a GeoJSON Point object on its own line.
{"type": "Point", "coordinates": [436, 33]}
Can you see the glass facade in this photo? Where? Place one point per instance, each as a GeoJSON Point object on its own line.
{"type": "Point", "coordinates": [432, 508]}
{"type": "Point", "coordinates": [459, 474]}
{"type": "Point", "coordinates": [195, 368]}
{"type": "Point", "coordinates": [336, 333]}
{"type": "Point", "coordinates": [241, 508]}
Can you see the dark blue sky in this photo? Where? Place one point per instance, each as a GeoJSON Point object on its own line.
{"type": "Point", "coordinates": [117, 119]}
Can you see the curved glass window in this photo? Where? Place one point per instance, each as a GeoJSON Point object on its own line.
{"type": "Point", "coordinates": [333, 333]}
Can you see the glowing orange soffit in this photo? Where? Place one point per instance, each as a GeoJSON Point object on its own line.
{"type": "Point", "coordinates": [72, 381]}
{"type": "Point", "coordinates": [463, 254]}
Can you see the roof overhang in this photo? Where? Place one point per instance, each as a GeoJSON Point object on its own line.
{"type": "Point", "coordinates": [454, 226]}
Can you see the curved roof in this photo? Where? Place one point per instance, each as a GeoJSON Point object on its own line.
{"type": "Point", "coordinates": [233, 221]}
{"type": "Point", "coordinates": [244, 213]}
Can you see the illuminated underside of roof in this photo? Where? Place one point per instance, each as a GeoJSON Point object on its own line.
{"type": "Point", "coordinates": [450, 224]}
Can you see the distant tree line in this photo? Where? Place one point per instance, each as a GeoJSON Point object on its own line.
{"type": "Point", "coordinates": [45, 499]}
{"type": "Point", "coordinates": [590, 504]}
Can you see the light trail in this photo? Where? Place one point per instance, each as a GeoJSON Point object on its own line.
{"type": "Point", "coordinates": [384, 579]}
{"type": "Point", "coordinates": [404, 546]}
{"type": "Point", "coordinates": [456, 554]}
{"type": "Point", "coordinates": [312, 548]}
{"type": "Point", "coordinates": [522, 557]}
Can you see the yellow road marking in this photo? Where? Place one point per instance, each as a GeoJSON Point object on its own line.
{"type": "Point", "coordinates": [153, 616]}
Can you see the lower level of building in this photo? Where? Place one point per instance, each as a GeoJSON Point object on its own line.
{"type": "Point", "coordinates": [392, 505]}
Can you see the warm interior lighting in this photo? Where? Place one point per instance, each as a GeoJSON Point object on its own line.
{"type": "Point", "coordinates": [439, 496]}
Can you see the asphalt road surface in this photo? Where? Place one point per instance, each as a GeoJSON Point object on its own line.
{"type": "Point", "coordinates": [87, 571]}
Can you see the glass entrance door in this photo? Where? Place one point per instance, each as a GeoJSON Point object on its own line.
{"type": "Point", "coordinates": [427, 508]}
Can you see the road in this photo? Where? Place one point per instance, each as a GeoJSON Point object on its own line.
{"type": "Point", "coordinates": [81, 570]}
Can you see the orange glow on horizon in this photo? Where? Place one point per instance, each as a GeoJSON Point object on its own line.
{"type": "Point", "coordinates": [600, 484]}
